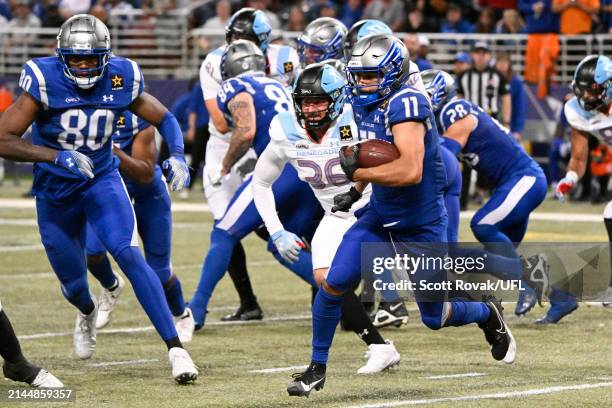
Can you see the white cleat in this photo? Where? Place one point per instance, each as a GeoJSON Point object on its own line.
{"type": "Point", "coordinates": [183, 368]}
{"type": "Point", "coordinates": [84, 338]}
{"type": "Point", "coordinates": [185, 326]}
{"type": "Point", "coordinates": [45, 379]}
{"type": "Point", "coordinates": [380, 357]}
{"type": "Point", "coordinates": [108, 300]}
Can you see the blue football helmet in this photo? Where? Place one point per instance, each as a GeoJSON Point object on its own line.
{"type": "Point", "coordinates": [362, 29]}
{"type": "Point", "coordinates": [322, 39]}
{"type": "Point", "coordinates": [249, 24]}
{"type": "Point", "coordinates": [384, 56]}
{"type": "Point", "coordinates": [440, 86]}
{"type": "Point", "coordinates": [84, 35]}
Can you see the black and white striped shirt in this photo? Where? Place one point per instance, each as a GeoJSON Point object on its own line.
{"type": "Point", "coordinates": [484, 88]}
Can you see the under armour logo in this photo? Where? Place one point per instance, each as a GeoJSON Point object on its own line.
{"type": "Point", "coordinates": [107, 98]}
{"type": "Point", "coordinates": [70, 162]}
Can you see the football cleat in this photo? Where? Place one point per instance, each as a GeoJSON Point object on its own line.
{"type": "Point", "coordinates": [185, 326]}
{"type": "Point", "coordinates": [108, 300]}
{"type": "Point", "coordinates": [183, 369]}
{"type": "Point", "coordinates": [497, 333]}
{"type": "Point", "coordinates": [380, 357]}
{"type": "Point", "coordinates": [45, 379]}
{"type": "Point", "coordinates": [390, 313]}
{"type": "Point", "coordinates": [603, 300]}
{"type": "Point", "coordinates": [311, 379]}
{"type": "Point", "coordinates": [526, 301]}
{"type": "Point", "coordinates": [535, 273]}
{"type": "Point", "coordinates": [242, 313]}
{"type": "Point", "coordinates": [84, 338]}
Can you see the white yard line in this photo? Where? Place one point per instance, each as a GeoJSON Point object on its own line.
{"type": "Point", "coordinates": [279, 370]}
{"type": "Point", "coordinates": [548, 216]}
{"type": "Point", "coordinates": [120, 363]}
{"type": "Point", "coordinates": [289, 318]}
{"type": "Point", "coordinates": [442, 377]}
{"type": "Point", "coordinates": [20, 248]}
{"type": "Point", "coordinates": [26, 203]}
{"type": "Point", "coordinates": [499, 395]}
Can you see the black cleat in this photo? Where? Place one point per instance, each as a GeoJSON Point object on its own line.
{"type": "Point", "coordinates": [535, 273]}
{"type": "Point", "coordinates": [23, 371]}
{"type": "Point", "coordinates": [497, 333]}
{"type": "Point", "coordinates": [311, 379]}
{"type": "Point", "coordinates": [390, 313]}
{"type": "Point", "coordinates": [244, 314]}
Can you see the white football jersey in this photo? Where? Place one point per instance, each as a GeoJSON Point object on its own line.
{"type": "Point", "coordinates": [318, 164]}
{"type": "Point", "coordinates": [415, 80]}
{"type": "Point", "coordinates": [592, 122]}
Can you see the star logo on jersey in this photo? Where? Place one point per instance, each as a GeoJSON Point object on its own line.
{"type": "Point", "coordinates": [121, 121]}
{"type": "Point", "coordinates": [345, 133]}
{"type": "Point", "coordinates": [288, 66]}
{"type": "Point", "coordinates": [117, 82]}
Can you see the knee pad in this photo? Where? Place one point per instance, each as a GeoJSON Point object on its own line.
{"type": "Point", "coordinates": [75, 288]}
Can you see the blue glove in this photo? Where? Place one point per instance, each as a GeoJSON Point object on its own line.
{"type": "Point", "coordinates": [75, 162]}
{"type": "Point", "coordinates": [176, 171]}
{"type": "Point", "coordinates": [288, 245]}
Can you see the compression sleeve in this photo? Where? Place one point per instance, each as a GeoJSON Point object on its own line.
{"type": "Point", "coordinates": [269, 167]}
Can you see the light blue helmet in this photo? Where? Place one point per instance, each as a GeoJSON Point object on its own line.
{"type": "Point", "coordinates": [603, 76]}
{"type": "Point", "coordinates": [380, 54]}
{"type": "Point", "coordinates": [362, 29]}
{"type": "Point", "coordinates": [592, 82]}
{"type": "Point", "coordinates": [440, 86]}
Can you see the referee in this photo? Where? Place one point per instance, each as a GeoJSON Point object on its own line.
{"type": "Point", "coordinates": [486, 87]}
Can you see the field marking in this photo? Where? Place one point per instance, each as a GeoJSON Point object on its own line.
{"type": "Point", "coordinates": [20, 248]}
{"type": "Point", "coordinates": [500, 395]}
{"type": "Point", "coordinates": [441, 377]}
{"type": "Point", "coordinates": [552, 216]}
{"type": "Point", "coordinates": [120, 363]}
{"type": "Point", "coordinates": [275, 319]}
{"type": "Point", "coordinates": [279, 370]}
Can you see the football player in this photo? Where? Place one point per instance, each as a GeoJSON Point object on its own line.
{"type": "Point", "coordinates": [322, 39]}
{"type": "Point", "coordinates": [72, 100]}
{"type": "Point", "coordinates": [406, 205]}
{"type": "Point", "coordinates": [251, 100]}
{"type": "Point", "coordinates": [588, 113]}
{"type": "Point", "coordinates": [16, 367]}
{"type": "Point", "coordinates": [520, 185]}
{"type": "Point", "coordinates": [282, 63]}
{"type": "Point", "coordinates": [310, 139]}
{"type": "Point", "coordinates": [134, 146]}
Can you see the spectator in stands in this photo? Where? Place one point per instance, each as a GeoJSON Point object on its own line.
{"type": "Point", "coordinates": [220, 20]}
{"type": "Point", "coordinates": [510, 23]}
{"type": "Point", "coordinates": [606, 15]}
{"type": "Point", "coordinates": [104, 8]}
{"type": "Point", "coordinates": [263, 5]}
{"type": "Point", "coordinates": [461, 63]}
{"type": "Point", "coordinates": [418, 46]}
{"type": "Point", "coordinates": [416, 23]}
{"type": "Point", "coordinates": [498, 6]}
{"type": "Point", "coordinates": [52, 17]}
{"type": "Point", "coordinates": [455, 22]}
{"type": "Point", "coordinates": [328, 10]}
{"type": "Point", "coordinates": [486, 21]}
{"type": "Point", "coordinates": [23, 17]}
{"type": "Point", "coordinates": [518, 98]}
{"type": "Point", "coordinates": [576, 15]}
{"type": "Point", "coordinates": [3, 20]}
{"type": "Point", "coordinates": [390, 12]}
{"type": "Point", "coordinates": [297, 20]}
{"type": "Point", "coordinates": [69, 8]}
{"type": "Point", "coordinates": [351, 12]}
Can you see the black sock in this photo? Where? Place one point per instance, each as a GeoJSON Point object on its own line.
{"type": "Point", "coordinates": [240, 276]}
{"type": "Point", "coordinates": [173, 342]}
{"type": "Point", "coordinates": [90, 308]}
{"type": "Point", "coordinates": [356, 319]}
{"type": "Point", "coordinates": [313, 294]}
{"type": "Point", "coordinates": [9, 345]}
{"type": "Point", "coordinates": [608, 222]}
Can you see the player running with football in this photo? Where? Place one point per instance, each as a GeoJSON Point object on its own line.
{"type": "Point", "coordinates": [310, 139]}
{"type": "Point", "coordinates": [406, 205]}
{"type": "Point", "coordinates": [72, 100]}
{"type": "Point", "coordinates": [588, 113]}
{"type": "Point", "coordinates": [134, 146]}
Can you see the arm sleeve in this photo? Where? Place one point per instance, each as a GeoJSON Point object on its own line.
{"type": "Point", "coordinates": [519, 105]}
{"type": "Point", "coordinates": [269, 166]}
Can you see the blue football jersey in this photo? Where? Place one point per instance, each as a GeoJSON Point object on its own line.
{"type": "Point", "coordinates": [418, 204]}
{"type": "Point", "coordinates": [490, 149]}
{"type": "Point", "coordinates": [72, 118]}
{"type": "Point", "coordinates": [269, 97]}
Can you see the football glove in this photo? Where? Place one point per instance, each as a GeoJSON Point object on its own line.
{"type": "Point", "coordinates": [176, 171]}
{"type": "Point", "coordinates": [349, 163]}
{"type": "Point", "coordinates": [343, 202]}
{"type": "Point", "coordinates": [566, 184]}
{"type": "Point", "coordinates": [288, 245]}
{"type": "Point", "coordinates": [75, 162]}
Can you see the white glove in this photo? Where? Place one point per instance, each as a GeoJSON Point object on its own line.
{"type": "Point", "coordinates": [288, 244]}
{"type": "Point", "coordinates": [213, 174]}
{"type": "Point", "coordinates": [176, 171]}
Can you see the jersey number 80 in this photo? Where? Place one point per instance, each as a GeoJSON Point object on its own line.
{"type": "Point", "coordinates": [81, 129]}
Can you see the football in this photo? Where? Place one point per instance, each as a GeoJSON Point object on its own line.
{"type": "Point", "coordinates": [375, 152]}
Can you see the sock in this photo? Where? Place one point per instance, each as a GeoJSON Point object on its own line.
{"type": "Point", "coordinates": [325, 317]}
{"type": "Point", "coordinates": [608, 222]}
{"type": "Point", "coordinates": [9, 345]}
{"type": "Point", "coordinates": [313, 294]}
{"type": "Point", "coordinates": [174, 296]}
{"type": "Point", "coordinates": [356, 319]}
{"type": "Point", "coordinates": [237, 270]}
{"type": "Point", "coordinates": [302, 267]}
{"type": "Point", "coordinates": [462, 313]}
{"type": "Point", "coordinates": [102, 271]}
{"type": "Point", "coordinates": [173, 342]}
{"type": "Point", "coordinates": [214, 267]}
{"type": "Point", "coordinates": [148, 290]}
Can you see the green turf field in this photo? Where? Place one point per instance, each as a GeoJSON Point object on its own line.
{"type": "Point", "coordinates": [566, 365]}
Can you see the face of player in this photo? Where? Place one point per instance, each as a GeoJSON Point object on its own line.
{"type": "Point", "coordinates": [312, 55]}
{"type": "Point", "coordinates": [367, 81]}
{"type": "Point", "coordinates": [83, 63]}
{"type": "Point", "coordinates": [315, 108]}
